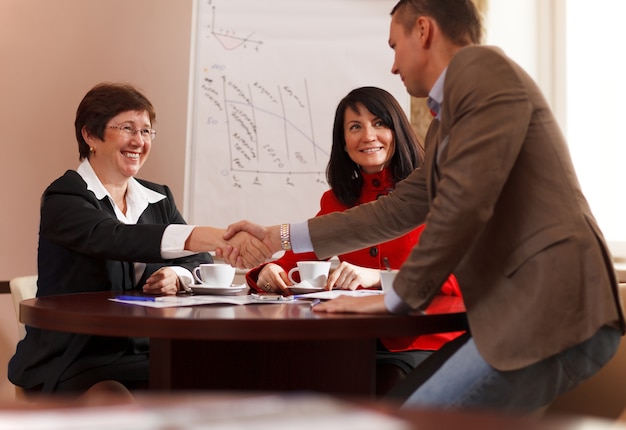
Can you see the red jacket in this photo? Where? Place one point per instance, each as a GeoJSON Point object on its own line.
{"type": "Point", "coordinates": [396, 251]}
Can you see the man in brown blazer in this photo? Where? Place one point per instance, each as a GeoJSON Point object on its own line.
{"type": "Point", "coordinates": [504, 212]}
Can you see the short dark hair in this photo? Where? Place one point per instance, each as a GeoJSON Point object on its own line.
{"type": "Point", "coordinates": [459, 20]}
{"type": "Point", "coordinates": [343, 174]}
{"type": "Point", "coordinates": [102, 103]}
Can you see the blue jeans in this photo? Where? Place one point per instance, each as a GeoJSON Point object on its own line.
{"type": "Point", "coordinates": [466, 381]}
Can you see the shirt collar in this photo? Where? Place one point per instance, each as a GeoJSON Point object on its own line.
{"type": "Point", "coordinates": [435, 96]}
{"type": "Point", "coordinates": [138, 197]}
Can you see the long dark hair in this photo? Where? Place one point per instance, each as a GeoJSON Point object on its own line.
{"type": "Point", "coordinates": [343, 174]}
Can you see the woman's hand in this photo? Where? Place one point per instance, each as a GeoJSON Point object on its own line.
{"type": "Point", "coordinates": [273, 279]}
{"type": "Point", "coordinates": [348, 277]}
{"type": "Point", "coordinates": [163, 281]}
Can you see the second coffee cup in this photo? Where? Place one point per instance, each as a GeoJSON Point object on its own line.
{"type": "Point", "coordinates": [386, 279]}
{"type": "Point", "coordinates": [215, 275]}
{"type": "Point", "coordinates": [314, 272]}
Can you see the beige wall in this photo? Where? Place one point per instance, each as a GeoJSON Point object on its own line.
{"type": "Point", "coordinates": [51, 53]}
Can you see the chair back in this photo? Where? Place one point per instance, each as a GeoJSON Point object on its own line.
{"type": "Point", "coordinates": [22, 288]}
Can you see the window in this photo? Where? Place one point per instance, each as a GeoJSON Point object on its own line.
{"type": "Point", "coordinates": [572, 50]}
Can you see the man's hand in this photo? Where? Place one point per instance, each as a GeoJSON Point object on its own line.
{"type": "Point", "coordinates": [361, 305]}
{"type": "Point", "coordinates": [270, 236]}
{"type": "Point", "coordinates": [243, 251]}
{"type": "Point", "coordinates": [250, 251]}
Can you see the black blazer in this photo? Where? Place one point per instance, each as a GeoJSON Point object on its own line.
{"type": "Point", "coordinates": [83, 247]}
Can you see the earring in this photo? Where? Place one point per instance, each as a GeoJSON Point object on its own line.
{"type": "Point", "coordinates": [92, 150]}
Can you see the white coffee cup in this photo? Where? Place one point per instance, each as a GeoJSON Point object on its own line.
{"type": "Point", "coordinates": [215, 275]}
{"type": "Point", "coordinates": [314, 272]}
{"type": "Point", "coordinates": [386, 279]}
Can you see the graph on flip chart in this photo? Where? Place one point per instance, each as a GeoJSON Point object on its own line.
{"type": "Point", "coordinates": [266, 78]}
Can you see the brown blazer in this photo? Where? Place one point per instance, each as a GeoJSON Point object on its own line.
{"type": "Point", "coordinates": [504, 212]}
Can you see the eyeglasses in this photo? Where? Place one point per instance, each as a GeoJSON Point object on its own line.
{"type": "Point", "coordinates": [147, 134]}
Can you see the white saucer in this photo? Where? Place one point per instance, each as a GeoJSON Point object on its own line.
{"type": "Point", "coordinates": [304, 287]}
{"type": "Point", "coordinates": [221, 291]}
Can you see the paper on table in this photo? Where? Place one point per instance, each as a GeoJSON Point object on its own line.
{"type": "Point", "coordinates": [326, 295]}
{"type": "Point", "coordinates": [174, 301]}
{"type": "Point", "coordinates": [205, 299]}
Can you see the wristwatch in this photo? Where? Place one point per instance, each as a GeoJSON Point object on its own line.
{"type": "Point", "coordinates": [285, 241]}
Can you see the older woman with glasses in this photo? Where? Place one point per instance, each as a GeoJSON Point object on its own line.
{"type": "Point", "coordinates": [101, 229]}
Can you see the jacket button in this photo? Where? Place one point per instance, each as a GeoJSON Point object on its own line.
{"type": "Point", "coordinates": [373, 251]}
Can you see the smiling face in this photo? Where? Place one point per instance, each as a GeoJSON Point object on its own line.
{"type": "Point", "coordinates": [369, 143]}
{"type": "Point", "coordinates": [118, 157]}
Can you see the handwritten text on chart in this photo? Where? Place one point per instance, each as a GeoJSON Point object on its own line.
{"type": "Point", "coordinates": [268, 127]}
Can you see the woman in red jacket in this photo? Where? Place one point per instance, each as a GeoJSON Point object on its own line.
{"type": "Point", "coordinates": [374, 147]}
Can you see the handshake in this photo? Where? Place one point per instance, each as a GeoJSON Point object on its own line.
{"type": "Point", "coordinates": [243, 244]}
{"type": "Point", "coordinates": [249, 244]}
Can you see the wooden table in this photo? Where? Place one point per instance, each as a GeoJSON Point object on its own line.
{"type": "Point", "coordinates": [245, 347]}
